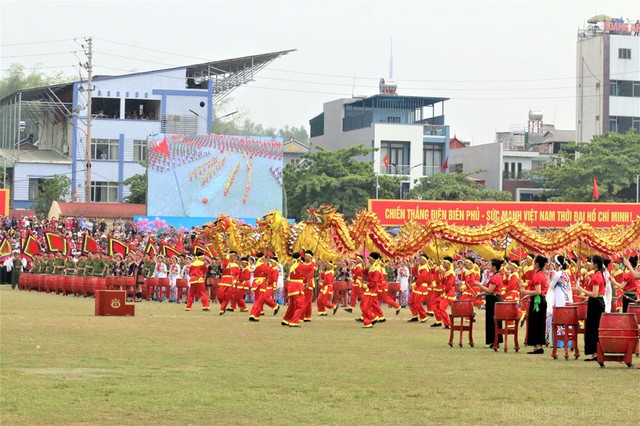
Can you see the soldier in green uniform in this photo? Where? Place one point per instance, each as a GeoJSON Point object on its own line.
{"type": "Point", "coordinates": [99, 266]}
{"type": "Point", "coordinates": [80, 265]}
{"type": "Point", "coordinates": [50, 264]}
{"type": "Point", "coordinates": [58, 264]}
{"type": "Point", "coordinates": [70, 267]}
{"type": "Point", "coordinates": [88, 265]}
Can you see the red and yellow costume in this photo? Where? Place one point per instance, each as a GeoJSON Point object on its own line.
{"type": "Point", "coordinates": [241, 289]}
{"type": "Point", "coordinates": [447, 293]}
{"type": "Point", "coordinates": [261, 275]}
{"type": "Point", "coordinates": [197, 271]}
{"type": "Point", "coordinates": [226, 286]}
{"type": "Point", "coordinates": [295, 291]}
{"type": "Point", "coordinates": [418, 293]}
{"type": "Point", "coordinates": [326, 291]}
{"type": "Point", "coordinates": [356, 285]}
{"type": "Point", "coordinates": [375, 276]}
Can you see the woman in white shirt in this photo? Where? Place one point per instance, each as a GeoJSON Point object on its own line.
{"type": "Point", "coordinates": [403, 277]}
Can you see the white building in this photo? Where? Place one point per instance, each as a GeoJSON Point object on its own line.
{"type": "Point", "coordinates": [51, 122]}
{"type": "Point", "coordinates": [608, 79]}
{"type": "Point", "coordinates": [409, 132]}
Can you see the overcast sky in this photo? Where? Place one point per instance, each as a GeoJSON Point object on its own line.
{"type": "Point", "coordinates": [495, 59]}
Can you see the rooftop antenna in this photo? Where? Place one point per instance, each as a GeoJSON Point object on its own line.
{"type": "Point", "coordinates": [391, 61]}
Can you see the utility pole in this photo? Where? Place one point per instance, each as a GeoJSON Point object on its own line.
{"type": "Point", "coordinates": [89, 66]}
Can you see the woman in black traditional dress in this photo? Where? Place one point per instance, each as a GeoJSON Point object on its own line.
{"type": "Point", "coordinates": [492, 291]}
{"type": "Point", "coordinates": [537, 315]}
{"type": "Point", "coordinates": [594, 288]}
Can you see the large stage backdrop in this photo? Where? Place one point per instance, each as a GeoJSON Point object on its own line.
{"type": "Point", "coordinates": [207, 175]}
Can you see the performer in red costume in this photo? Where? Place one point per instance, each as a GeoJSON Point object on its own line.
{"type": "Point", "coordinates": [309, 285]}
{"type": "Point", "coordinates": [226, 286]}
{"type": "Point", "coordinates": [356, 283]}
{"type": "Point", "coordinates": [261, 275]}
{"type": "Point", "coordinates": [242, 286]}
{"type": "Point", "coordinates": [197, 271]}
{"type": "Point", "coordinates": [327, 278]}
{"type": "Point", "coordinates": [375, 276]}
{"type": "Point", "coordinates": [419, 292]}
{"type": "Point", "coordinates": [295, 291]}
{"type": "Point", "coordinates": [447, 293]}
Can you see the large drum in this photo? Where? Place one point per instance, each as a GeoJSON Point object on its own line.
{"type": "Point", "coordinates": [618, 336]}
{"type": "Point", "coordinates": [462, 308]}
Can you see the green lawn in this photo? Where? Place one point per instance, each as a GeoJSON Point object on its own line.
{"type": "Point", "coordinates": [62, 365]}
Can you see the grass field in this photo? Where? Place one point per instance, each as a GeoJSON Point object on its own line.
{"type": "Point", "coordinates": [62, 365]}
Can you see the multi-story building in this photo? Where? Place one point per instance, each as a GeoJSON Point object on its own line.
{"type": "Point", "coordinates": [608, 79]}
{"type": "Point", "coordinates": [409, 132]}
{"type": "Point", "coordinates": [51, 122]}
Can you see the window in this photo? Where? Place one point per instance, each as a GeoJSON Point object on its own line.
{"type": "Point", "coordinates": [519, 171]}
{"type": "Point", "coordinates": [614, 88]}
{"type": "Point", "coordinates": [139, 150]}
{"type": "Point", "coordinates": [397, 154]}
{"type": "Point", "coordinates": [294, 161]}
{"type": "Point", "coordinates": [431, 158]}
{"type": "Point", "coordinates": [613, 124]}
{"type": "Point", "coordinates": [105, 108]}
{"type": "Point", "coordinates": [457, 168]}
{"type": "Point", "coordinates": [105, 149]}
{"type": "Point", "coordinates": [506, 167]}
{"type": "Point", "coordinates": [35, 186]}
{"type": "Point", "coordinates": [141, 109]}
{"type": "Point", "coordinates": [636, 125]}
{"type": "Point", "coordinates": [104, 192]}
{"type": "Point", "coordinates": [624, 53]}
{"type": "Point", "coordinates": [393, 119]}
{"type": "Point", "coordinates": [636, 89]}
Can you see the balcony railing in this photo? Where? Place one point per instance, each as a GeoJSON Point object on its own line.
{"type": "Point", "coordinates": [405, 170]}
{"type": "Point", "coordinates": [434, 130]}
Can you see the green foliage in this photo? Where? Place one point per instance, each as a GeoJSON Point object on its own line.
{"type": "Point", "coordinates": [53, 189]}
{"type": "Point", "coordinates": [334, 177]}
{"type": "Point", "coordinates": [454, 187]}
{"type": "Point", "coordinates": [16, 78]}
{"type": "Point", "coordinates": [138, 187]}
{"type": "Point", "coordinates": [614, 160]}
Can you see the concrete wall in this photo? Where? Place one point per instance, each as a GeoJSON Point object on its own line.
{"type": "Point", "coordinates": [487, 157]}
{"type": "Point", "coordinates": [624, 69]}
{"type": "Point", "coordinates": [24, 171]}
{"type": "Point", "coordinates": [590, 69]}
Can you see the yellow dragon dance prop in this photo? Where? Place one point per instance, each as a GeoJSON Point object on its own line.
{"type": "Point", "coordinates": [330, 237]}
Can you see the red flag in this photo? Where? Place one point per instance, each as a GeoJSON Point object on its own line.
{"type": "Point", "coordinates": [89, 245]}
{"type": "Point", "coordinates": [5, 248]}
{"type": "Point", "coordinates": [56, 243]}
{"type": "Point", "coordinates": [117, 246]}
{"type": "Point", "coordinates": [180, 245]}
{"type": "Point", "coordinates": [150, 249]}
{"type": "Point", "coordinates": [385, 161]}
{"type": "Point", "coordinates": [445, 166]}
{"type": "Point", "coordinates": [30, 246]}
{"type": "Point", "coordinates": [596, 194]}
{"type": "Point", "coordinates": [162, 147]}
{"type": "Point", "coordinates": [169, 251]}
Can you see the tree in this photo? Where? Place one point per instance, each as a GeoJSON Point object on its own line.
{"type": "Point", "coordinates": [16, 78]}
{"type": "Point", "coordinates": [613, 159]}
{"type": "Point", "coordinates": [334, 177]}
{"type": "Point", "coordinates": [454, 187]}
{"type": "Point", "coordinates": [52, 189]}
{"type": "Point", "coordinates": [138, 189]}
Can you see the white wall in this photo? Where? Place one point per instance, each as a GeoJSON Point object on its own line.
{"type": "Point", "coordinates": [24, 171]}
{"type": "Point", "coordinates": [589, 96]}
{"type": "Point", "coordinates": [487, 157]}
{"type": "Point", "coordinates": [412, 133]}
{"type": "Point", "coordinates": [624, 69]}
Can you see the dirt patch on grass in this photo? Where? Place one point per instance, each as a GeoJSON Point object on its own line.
{"type": "Point", "coordinates": [69, 373]}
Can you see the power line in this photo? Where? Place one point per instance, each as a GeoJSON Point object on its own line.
{"type": "Point", "coordinates": [35, 42]}
{"type": "Point", "coordinates": [351, 77]}
{"type": "Point", "coordinates": [153, 50]}
{"type": "Point", "coordinates": [39, 54]}
{"type": "Point", "coordinates": [137, 59]}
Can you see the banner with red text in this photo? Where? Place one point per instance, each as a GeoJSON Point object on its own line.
{"type": "Point", "coordinates": [478, 213]}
